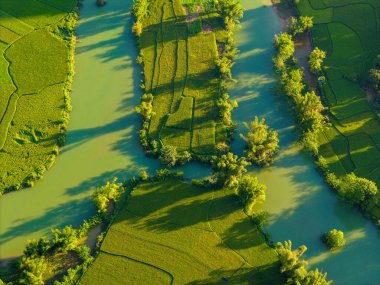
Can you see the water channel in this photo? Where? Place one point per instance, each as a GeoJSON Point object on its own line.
{"type": "Point", "coordinates": [103, 143]}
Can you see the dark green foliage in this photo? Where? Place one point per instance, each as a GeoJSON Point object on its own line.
{"type": "Point", "coordinates": [169, 155]}
{"type": "Point", "coordinates": [109, 192]}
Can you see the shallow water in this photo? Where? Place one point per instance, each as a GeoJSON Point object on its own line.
{"type": "Point", "coordinates": [102, 138]}
{"type": "Point", "coordinates": [301, 206]}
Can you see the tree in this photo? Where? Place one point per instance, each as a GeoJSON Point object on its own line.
{"type": "Point", "coordinates": [309, 110]}
{"type": "Point", "coordinates": [316, 58]}
{"type": "Point", "coordinates": [250, 191]}
{"type": "Point", "coordinates": [33, 269]}
{"type": "Point", "coordinates": [359, 191]}
{"type": "Point", "coordinates": [285, 48]}
{"type": "Point", "coordinates": [65, 239]}
{"type": "Point", "coordinates": [137, 28]}
{"type": "Point", "coordinates": [295, 268]}
{"type": "Point", "coordinates": [37, 247]}
{"type": "Point", "coordinates": [228, 169]}
{"type": "Point", "coordinates": [225, 107]}
{"type": "Point", "coordinates": [292, 82]}
{"type": "Point", "coordinates": [169, 155]}
{"type": "Point", "coordinates": [315, 277]}
{"type": "Point", "coordinates": [262, 142]}
{"type": "Point", "coordinates": [300, 25]}
{"type": "Point", "coordinates": [334, 238]}
{"type": "Point", "coordinates": [231, 11]}
{"type": "Point", "coordinates": [140, 9]}
{"type": "Point", "coordinates": [146, 106]}
{"type": "Point", "coordinates": [109, 192]}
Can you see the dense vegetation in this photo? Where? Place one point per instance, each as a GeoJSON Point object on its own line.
{"type": "Point", "coordinates": [351, 43]}
{"type": "Point", "coordinates": [334, 239]}
{"type": "Point", "coordinates": [186, 52]}
{"type": "Point", "coordinates": [35, 85]}
{"type": "Point", "coordinates": [296, 269]}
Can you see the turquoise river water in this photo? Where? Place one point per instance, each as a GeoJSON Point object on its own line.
{"type": "Point", "coordinates": [103, 143]}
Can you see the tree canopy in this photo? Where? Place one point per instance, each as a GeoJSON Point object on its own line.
{"type": "Point", "coordinates": [250, 191]}
{"type": "Point", "coordinates": [262, 142]}
{"type": "Point", "coordinates": [228, 169]}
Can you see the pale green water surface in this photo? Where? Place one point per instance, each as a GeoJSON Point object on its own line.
{"type": "Point", "coordinates": [300, 204]}
{"type": "Point", "coordinates": [103, 143]}
{"type": "Point", "coordinates": [102, 137]}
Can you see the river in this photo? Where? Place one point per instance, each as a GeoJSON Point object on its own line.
{"type": "Point", "coordinates": [301, 206]}
{"type": "Point", "coordinates": [103, 143]}
{"type": "Point", "coordinates": [102, 138]}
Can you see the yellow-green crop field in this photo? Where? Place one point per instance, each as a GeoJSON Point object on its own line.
{"type": "Point", "coordinates": [176, 233]}
{"type": "Point", "coordinates": [349, 31]}
{"type": "Point", "coordinates": [36, 46]}
{"type": "Point", "coordinates": [180, 71]}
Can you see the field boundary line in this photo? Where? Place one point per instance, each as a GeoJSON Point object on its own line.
{"type": "Point", "coordinates": [219, 237]}
{"type": "Point", "coordinates": [142, 262]}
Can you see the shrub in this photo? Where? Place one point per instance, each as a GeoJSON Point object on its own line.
{"type": "Point", "coordinates": [334, 238]}
{"type": "Point", "coordinates": [228, 169]}
{"type": "Point", "coordinates": [110, 192]}
{"type": "Point", "coordinates": [169, 155]}
{"type": "Point", "coordinates": [358, 191]}
{"type": "Point", "coordinates": [262, 142]}
{"type": "Point", "coordinates": [316, 58]}
{"type": "Point", "coordinates": [250, 191]}
{"type": "Point", "coordinates": [32, 270]}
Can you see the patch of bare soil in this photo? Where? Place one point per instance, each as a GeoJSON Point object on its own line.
{"type": "Point", "coordinates": [303, 47]}
{"type": "Point", "coordinates": [192, 16]}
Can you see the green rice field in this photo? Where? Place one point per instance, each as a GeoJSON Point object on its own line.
{"type": "Point", "coordinates": [180, 71]}
{"type": "Point", "coordinates": [175, 233]}
{"type": "Point", "coordinates": [35, 77]}
{"type": "Point", "coordinates": [349, 31]}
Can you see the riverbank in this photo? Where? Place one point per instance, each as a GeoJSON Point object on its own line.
{"type": "Point", "coordinates": [300, 205]}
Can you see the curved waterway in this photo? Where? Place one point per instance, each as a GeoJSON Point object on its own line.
{"type": "Point", "coordinates": [103, 143]}
{"type": "Point", "coordinates": [102, 137]}
{"type": "Point", "coordinates": [301, 206]}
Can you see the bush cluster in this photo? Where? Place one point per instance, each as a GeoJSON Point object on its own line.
{"type": "Point", "coordinates": [307, 105]}
{"type": "Point", "coordinates": [295, 269]}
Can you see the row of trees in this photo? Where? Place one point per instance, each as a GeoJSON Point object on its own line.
{"type": "Point", "coordinates": [139, 10]}
{"type": "Point", "coordinates": [308, 106]}
{"type": "Point", "coordinates": [358, 191]}
{"type": "Point", "coordinates": [295, 269]}
{"type": "Point", "coordinates": [231, 11]}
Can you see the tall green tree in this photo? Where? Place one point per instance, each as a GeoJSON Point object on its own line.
{"type": "Point", "coordinates": [316, 58]}
{"type": "Point", "coordinates": [228, 169]}
{"type": "Point", "coordinates": [300, 25]}
{"type": "Point", "coordinates": [33, 270]}
{"type": "Point", "coordinates": [285, 49]}
{"type": "Point", "coordinates": [262, 142]}
{"type": "Point", "coordinates": [231, 11]}
{"type": "Point", "coordinates": [357, 190]}
{"type": "Point", "coordinates": [169, 155]}
{"type": "Point", "coordinates": [250, 191]}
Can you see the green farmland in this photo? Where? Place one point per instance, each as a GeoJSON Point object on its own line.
{"type": "Point", "coordinates": [179, 53]}
{"type": "Point", "coordinates": [175, 233]}
{"type": "Point", "coordinates": [35, 77]}
{"type": "Point", "coordinates": [349, 32]}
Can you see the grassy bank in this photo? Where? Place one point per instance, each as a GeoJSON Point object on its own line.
{"type": "Point", "coordinates": [179, 52]}
{"type": "Point", "coordinates": [176, 233]}
{"type": "Point", "coordinates": [36, 69]}
{"type": "Point", "coordinates": [349, 34]}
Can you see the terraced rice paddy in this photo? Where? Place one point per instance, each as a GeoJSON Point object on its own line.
{"type": "Point", "coordinates": [179, 52]}
{"type": "Point", "coordinates": [350, 33]}
{"type": "Point", "coordinates": [35, 74]}
{"type": "Point", "coordinates": [175, 233]}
